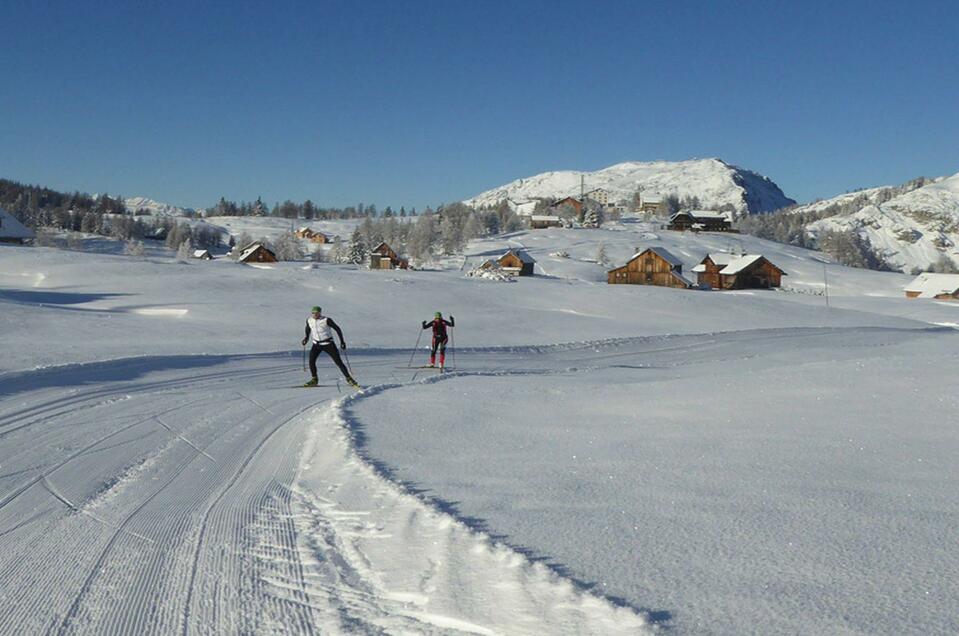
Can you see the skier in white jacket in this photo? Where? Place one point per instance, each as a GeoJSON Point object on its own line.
{"type": "Point", "coordinates": [319, 330]}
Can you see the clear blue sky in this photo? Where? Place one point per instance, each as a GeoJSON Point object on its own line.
{"type": "Point", "coordinates": [416, 103]}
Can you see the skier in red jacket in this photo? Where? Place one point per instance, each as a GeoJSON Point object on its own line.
{"type": "Point", "coordinates": [440, 337]}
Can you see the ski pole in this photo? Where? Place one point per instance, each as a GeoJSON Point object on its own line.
{"type": "Point", "coordinates": [415, 347]}
{"type": "Point", "coordinates": [349, 367]}
{"type": "Point", "coordinates": [304, 357]}
{"type": "Point", "coordinates": [453, 345]}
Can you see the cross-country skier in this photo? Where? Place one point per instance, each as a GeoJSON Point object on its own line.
{"type": "Point", "coordinates": [440, 337]}
{"type": "Point", "coordinates": [319, 329]}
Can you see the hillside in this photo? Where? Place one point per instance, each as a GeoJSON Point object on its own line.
{"type": "Point", "coordinates": [714, 182]}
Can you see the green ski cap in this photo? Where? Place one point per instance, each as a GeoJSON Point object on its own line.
{"type": "Point", "coordinates": [316, 309]}
{"type": "Point", "coordinates": [438, 315]}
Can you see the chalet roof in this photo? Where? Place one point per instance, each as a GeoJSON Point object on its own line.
{"type": "Point", "coordinates": [932, 285]}
{"type": "Point", "coordinates": [663, 253]}
{"type": "Point", "coordinates": [201, 253]}
{"type": "Point", "coordinates": [708, 214]}
{"type": "Point", "coordinates": [730, 264]}
{"type": "Point", "coordinates": [520, 254]}
{"type": "Point", "coordinates": [681, 278]}
{"type": "Point", "coordinates": [546, 218]}
{"type": "Point", "coordinates": [652, 199]}
{"type": "Point", "coordinates": [11, 228]}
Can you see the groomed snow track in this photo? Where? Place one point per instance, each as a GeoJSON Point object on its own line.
{"type": "Point", "coordinates": [202, 495]}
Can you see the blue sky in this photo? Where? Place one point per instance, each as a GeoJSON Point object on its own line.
{"type": "Point", "coordinates": [416, 103]}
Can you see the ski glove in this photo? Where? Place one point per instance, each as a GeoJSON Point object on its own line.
{"type": "Point", "coordinates": [303, 342]}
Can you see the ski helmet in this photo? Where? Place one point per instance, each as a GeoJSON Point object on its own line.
{"type": "Point", "coordinates": [316, 309]}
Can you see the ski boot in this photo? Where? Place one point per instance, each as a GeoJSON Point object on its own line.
{"type": "Point", "coordinates": [353, 383]}
{"type": "Point", "coordinates": [311, 382]}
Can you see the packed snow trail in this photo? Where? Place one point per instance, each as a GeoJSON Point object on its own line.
{"type": "Point", "coordinates": [170, 502]}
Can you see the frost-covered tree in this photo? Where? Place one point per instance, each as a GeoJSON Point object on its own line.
{"type": "Point", "coordinates": [185, 252]}
{"type": "Point", "coordinates": [358, 250]}
{"type": "Point", "coordinates": [601, 256]}
{"type": "Point", "coordinates": [287, 247]}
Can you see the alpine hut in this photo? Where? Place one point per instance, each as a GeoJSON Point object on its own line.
{"type": "Point", "coordinates": [700, 220]}
{"type": "Point", "coordinates": [653, 266]}
{"type": "Point", "coordinates": [512, 263]}
{"type": "Point", "coordinates": [383, 257]}
{"type": "Point", "coordinates": [12, 230]}
{"type": "Point", "coordinates": [935, 286]}
{"type": "Point", "coordinates": [738, 271]}
{"type": "Point", "coordinates": [256, 253]}
{"type": "Point", "coordinates": [203, 255]}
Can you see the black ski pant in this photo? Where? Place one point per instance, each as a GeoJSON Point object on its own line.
{"type": "Point", "coordinates": [440, 344]}
{"type": "Point", "coordinates": [329, 349]}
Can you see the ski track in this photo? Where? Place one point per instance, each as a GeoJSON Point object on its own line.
{"type": "Point", "coordinates": [174, 503]}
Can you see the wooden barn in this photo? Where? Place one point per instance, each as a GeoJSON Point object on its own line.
{"type": "Point", "coordinates": [653, 266]}
{"type": "Point", "coordinates": [935, 286]}
{"type": "Point", "coordinates": [12, 230]}
{"type": "Point", "coordinates": [738, 271]}
{"type": "Point", "coordinates": [313, 236]}
{"type": "Point", "coordinates": [256, 253]}
{"type": "Point", "coordinates": [513, 262]}
{"type": "Point", "coordinates": [544, 221]}
{"type": "Point", "coordinates": [383, 257]}
{"type": "Point", "coordinates": [573, 203]}
{"type": "Point", "coordinates": [700, 220]}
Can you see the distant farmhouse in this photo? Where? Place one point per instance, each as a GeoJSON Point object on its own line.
{"type": "Point", "coordinates": [935, 286]}
{"type": "Point", "coordinates": [544, 221]}
{"type": "Point", "coordinates": [700, 220]}
{"type": "Point", "coordinates": [650, 204]}
{"type": "Point", "coordinates": [383, 257]}
{"type": "Point", "coordinates": [575, 204]}
{"type": "Point", "coordinates": [203, 255]}
{"type": "Point", "coordinates": [653, 266]}
{"type": "Point", "coordinates": [738, 271]}
{"type": "Point", "coordinates": [314, 236]}
{"type": "Point", "coordinates": [256, 253]}
{"type": "Point", "coordinates": [12, 230]}
{"type": "Point", "coordinates": [513, 262]}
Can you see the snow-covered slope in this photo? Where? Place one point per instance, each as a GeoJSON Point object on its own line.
{"type": "Point", "coordinates": [713, 181]}
{"type": "Point", "coordinates": [914, 230]}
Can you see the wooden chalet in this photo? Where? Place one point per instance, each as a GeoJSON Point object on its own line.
{"type": "Point", "coordinates": [544, 221]}
{"type": "Point", "coordinates": [935, 286]}
{"type": "Point", "coordinates": [314, 236]}
{"type": "Point", "coordinates": [652, 266]}
{"type": "Point", "coordinates": [12, 230]}
{"type": "Point", "coordinates": [383, 257]}
{"type": "Point", "coordinates": [649, 205]}
{"type": "Point", "coordinates": [203, 255]}
{"type": "Point", "coordinates": [513, 262]}
{"type": "Point", "coordinates": [576, 204]}
{"type": "Point", "coordinates": [256, 253]}
{"type": "Point", "coordinates": [700, 220]}
{"type": "Point", "coordinates": [738, 271]}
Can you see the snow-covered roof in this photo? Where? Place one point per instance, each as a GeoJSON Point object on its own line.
{"type": "Point", "coordinates": [651, 199]}
{"type": "Point", "coordinates": [708, 214]}
{"type": "Point", "coordinates": [521, 255]}
{"type": "Point", "coordinates": [663, 253]}
{"type": "Point", "coordinates": [11, 228]}
{"type": "Point", "coordinates": [932, 285]}
{"type": "Point", "coordinates": [680, 277]}
{"type": "Point", "coordinates": [546, 218]}
{"type": "Point", "coordinates": [729, 263]}
{"type": "Point", "coordinates": [200, 253]}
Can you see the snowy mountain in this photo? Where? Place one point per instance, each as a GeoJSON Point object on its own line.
{"type": "Point", "coordinates": [714, 182]}
{"type": "Point", "coordinates": [156, 208]}
{"type": "Point", "coordinates": [917, 229]}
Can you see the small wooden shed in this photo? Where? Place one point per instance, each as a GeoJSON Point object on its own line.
{"type": "Point", "coordinates": [12, 230]}
{"type": "Point", "coordinates": [256, 253]}
{"type": "Point", "coordinates": [544, 221]}
{"type": "Point", "coordinates": [738, 271]}
{"type": "Point", "coordinates": [203, 255]}
{"type": "Point", "coordinates": [653, 266]}
{"type": "Point", "coordinates": [383, 257]}
{"type": "Point", "coordinates": [513, 262]}
{"type": "Point", "coordinates": [935, 286]}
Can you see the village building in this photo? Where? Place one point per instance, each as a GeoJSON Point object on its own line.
{"type": "Point", "coordinates": [12, 230]}
{"type": "Point", "coordinates": [158, 233]}
{"type": "Point", "coordinates": [203, 255]}
{"type": "Point", "coordinates": [599, 196]}
{"type": "Point", "coordinates": [256, 253]}
{"type": "Point", "coordinates": [738, 271]}
{"type": "Point", "coordinates": [653, 266]}
{"type": "Point", "coordinates": [935, 286]}
{"type": "Point", "coordinates": [544, 221]}
{"type": "Point", "coordinates": [383, 257]}
{"type": "Point", "coordinates": [700, 220]}
{"type": "Point", "coordinates": [575, 204]}
{"type": "Point", "coordinates": [313, 236]}
{"type": "Point", "coordinates": [650, 205]}
{"type": "Point", "coordinates": [513, 262]}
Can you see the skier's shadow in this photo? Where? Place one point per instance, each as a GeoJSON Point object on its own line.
{"type": "Point", "coordinates": [660, 618]}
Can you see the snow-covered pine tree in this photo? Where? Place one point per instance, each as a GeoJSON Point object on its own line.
{"type": "Point", "coordinates": [185, 252]}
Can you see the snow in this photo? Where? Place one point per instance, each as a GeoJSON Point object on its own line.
{"type": "Point", "coordinates": [711, 180]}
{"type": "Point", "coordinates": [600, 459]}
